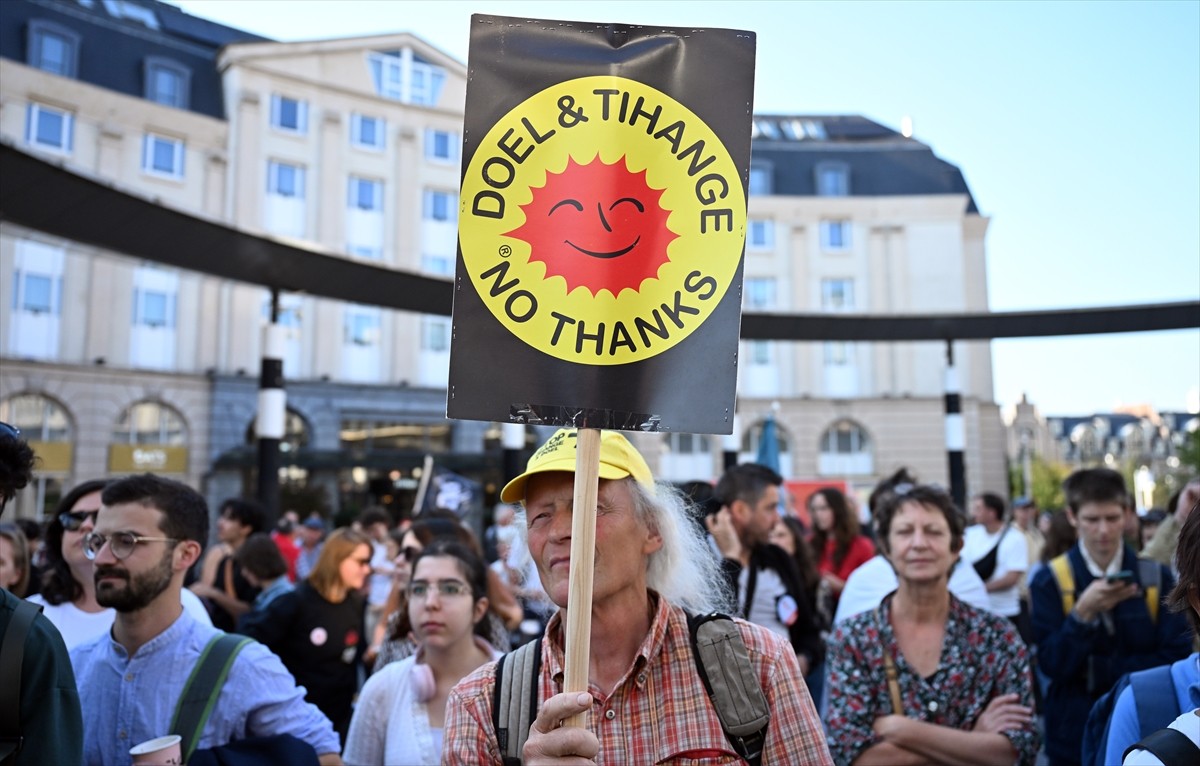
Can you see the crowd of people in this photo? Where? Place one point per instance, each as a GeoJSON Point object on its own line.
{"type": "Point", "coordinates": [892, 629]}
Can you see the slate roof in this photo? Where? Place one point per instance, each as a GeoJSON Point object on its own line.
{"type": "Point", "coordinates": [113, 48]}
{"type": "Point", "coordinates": [881, 161]}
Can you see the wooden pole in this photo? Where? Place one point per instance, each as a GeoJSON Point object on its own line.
{"type": "Point", "coordinates": [583, 562]}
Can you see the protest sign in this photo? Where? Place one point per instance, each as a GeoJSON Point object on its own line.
{"type": "Point", "coordinates": [601, 225]}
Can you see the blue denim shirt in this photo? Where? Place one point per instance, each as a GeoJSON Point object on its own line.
{"type": "Point", "coordinates": [129, 700]}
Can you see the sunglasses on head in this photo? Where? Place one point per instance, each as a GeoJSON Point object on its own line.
{"type": "Point", "coordinates": [10, 431]}
{"type": "Point", "coordinates": [411, 552]}
{"type": "Point", "coordinates": [72, 521]}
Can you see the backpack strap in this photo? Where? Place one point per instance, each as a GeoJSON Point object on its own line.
{"type": "Point", "coordinates": [1060, 566]}
{"type": "Point", "coordinates": [517, 678]}
{"type": "Point", "coordinates": [1154, 697]}
{"type": "Point", "coordinates": [1172, 747]}
{"type": "Point", "coordinates": [12, 655]}
{"type": "Point", "coordinates": [1150, 575]}
{"type": "Point", "coordinates": [723, 664]}
{"type": "Point", "coordinates": [203, 686]}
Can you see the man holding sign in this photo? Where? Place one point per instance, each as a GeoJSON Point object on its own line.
{"type": "Point", "coordinates": [646, 701]}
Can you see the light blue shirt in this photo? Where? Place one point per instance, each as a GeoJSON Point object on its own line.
{"type": "Point", "coordinates": [132, 699]}
{"type": "Point", "coordinates": [1123, 728]}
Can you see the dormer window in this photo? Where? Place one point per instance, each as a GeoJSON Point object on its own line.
{"type": "Point", "coordinates": [52, 48]}
{"type": "Point", "coordinates": [833, 179]}
{"type": "Point", "coordinates": [167, 82]}
{"type": "Point", "coordinates": [406, 77]}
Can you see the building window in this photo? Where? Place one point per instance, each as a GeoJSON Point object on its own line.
{"type": "Point", "coordinates": [761, 179]}
{"type": "Point", "coordinates": [366, 194]}
{"type": "Point", "coordinates": [361, 436]}
{"type": "Point", "coordinates": [127, 9]}
{"type": "Point", "coordinates": [833, 179]}
{"type": "Point", "coordinates": [361, 326]}
{"type": "Point", "coordinates": [49, 128]}
{"type": "Point", "coordinates": [760, 234]}
{"type": "Point", "coordinates": [53, 48]}
{"type": "Point", "coordinates": [760, 293]}
{"type": "Point", "coordinates": [441, 145]}
{"type": "Point", "coordinates": [404, 76]}
{"type": "Point", "coordinates": [150, 423]}
{"type": "Point", "coordinates": [835, 235]}
{"type": "Point", "coordinates": [759, 352]}
{"type": "Point", "coordinates": [837, 353]}
{"type": "Point", "coordinates": [162, 156]}
{"type": "Point", "coordinates": [40, 419]}
{"type": "Point", "coordinates": [366, 252]}
{"type": "Point", "coordinates": [168, 82]}
{"type": "Point", "coordinates": [289, 114]}
{"type": "Point", "coordinates": [752, 439]}
{"type": "Point", "coordinates": [440, 206]}
{"type": "Point", "coordinates": [153, 308]}
{"type": "Point", "coordinates": [438, 264]}
{"type": "Point", "coordinates": [285, 180]}
{"type": "Point", "coordinates": [845, 449]}
{"type": "Point", "coordinates": [837, 294]}
{"type": "Point", "coordinates": [688, 444]}
{"type": "Point", "coordinates": [435, 334]}
{"type": "Point", "coordinates": [367, 132]}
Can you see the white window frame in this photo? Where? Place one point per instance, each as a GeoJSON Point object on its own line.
{"type": "Point", "coordinates": [430, 203]}
{"type": "Point", "coordinates": [839, 242]}
{"type": "Point", "coordinates": [33, 119]}
{"type": "Point", "coordinates": [356, 126]}
{"type": "Point", "coordinates": [426, 83]}
{"type": "Point", "coordinates": [837, 294]}
{"type": "Point", "coordinates": [432, 136]}
{"type": "Point", "coordinates": [435, 334]}
{"type": "Point", "coordinates": [760, 234]}
{"type": "Point", "coordinates": [760, 293]}
{"type": "Point", "coordinates": [141, 296]}
{"type": "Point", "coordinates": [362, 326]}
{"type": "Point", "coordinates": [442, 265]}
{"type": "Point", "coordinates": [759, 352]}
{"type": "Point", "coordinates": [149, 143]}
{"type": "Point", "coordinates": [354, 197]}
{"type": "Point", "coordinates": [301, 126]}
{"type": "Point", "coordinates": [273, 168]}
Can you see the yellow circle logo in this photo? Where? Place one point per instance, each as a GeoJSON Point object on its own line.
{"type": "Point", "coordinates": [601, 221]}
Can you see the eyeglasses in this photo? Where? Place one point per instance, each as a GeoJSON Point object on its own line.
{"type": "Point", "coordinates": [120, 543]}
{"type": "Point", "coordinates": [419, 591]}
{"type": "Point", "coordinates": [72, 521]}
{"type": "Point", "coordinates": [411, 552]}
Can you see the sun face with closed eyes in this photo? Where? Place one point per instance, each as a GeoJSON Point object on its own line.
{"type": "Point", "coordinates": [598, 226]}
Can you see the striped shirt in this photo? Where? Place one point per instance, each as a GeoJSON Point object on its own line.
{"type": "Point", "coordinates": [658, 712]}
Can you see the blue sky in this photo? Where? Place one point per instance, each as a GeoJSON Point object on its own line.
{"type": "Point", "coordinates": [1077, 126]}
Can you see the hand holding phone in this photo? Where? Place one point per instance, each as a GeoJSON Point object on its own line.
{"type": "Point", "coordinates": [1124, 576]}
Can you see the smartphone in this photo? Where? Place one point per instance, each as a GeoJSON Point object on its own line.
{"type": "Point", "coordinates": [1124, 576]}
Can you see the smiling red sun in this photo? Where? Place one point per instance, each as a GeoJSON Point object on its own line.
{"type": "Point", "coordinates": [597, 226]}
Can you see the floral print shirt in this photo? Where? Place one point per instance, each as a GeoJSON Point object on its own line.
{"type": "Point", "coordinates": [982, 658]}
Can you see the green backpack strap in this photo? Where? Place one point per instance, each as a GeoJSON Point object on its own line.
{"type": "Point", "coordinates": [203, 687]}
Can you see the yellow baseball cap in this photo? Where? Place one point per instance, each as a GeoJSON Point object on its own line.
{"type": "Point", "coordinates": [618, 459]}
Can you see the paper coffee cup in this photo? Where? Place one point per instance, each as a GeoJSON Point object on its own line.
{"type": "Point", "coordinates": [161, 751]}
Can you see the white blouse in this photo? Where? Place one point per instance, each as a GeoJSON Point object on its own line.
{"type": "Point", "coordinates": [389, 725]}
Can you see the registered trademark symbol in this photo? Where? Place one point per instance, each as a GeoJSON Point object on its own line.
{"type": "Point", "coordinates": [505, 251]}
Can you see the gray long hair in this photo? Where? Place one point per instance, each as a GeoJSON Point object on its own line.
{"type": "Point", "coordinates": [686, 570]}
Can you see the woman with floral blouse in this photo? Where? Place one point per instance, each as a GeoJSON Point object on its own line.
{"type": "Point", "coordinates": [925, 677]}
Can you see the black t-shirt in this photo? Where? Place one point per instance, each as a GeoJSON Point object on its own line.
{"type": "Point", "coordinates": [319, 642]}
{"type": "Point", "coordinates": [230, 572]}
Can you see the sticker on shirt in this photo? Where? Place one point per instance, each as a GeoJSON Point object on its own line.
{"type": "Point", "coordinates": [318, 637]}
{"type": "Point", "coordinates": [787, 610]}
{"type": "Point", "coordinates": [351, 644]}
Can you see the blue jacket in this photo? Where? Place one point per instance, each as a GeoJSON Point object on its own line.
{"type": "Point", "coordinates": [1084, 661]}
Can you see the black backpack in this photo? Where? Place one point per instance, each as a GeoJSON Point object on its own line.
{"type": "Point", "coordinates": [12, 655]}
{"type": "Point", "coordinates": [722, 662]}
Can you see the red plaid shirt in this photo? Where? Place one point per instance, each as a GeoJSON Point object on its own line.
{"type": "Point", "coordinates": [659, 711]}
